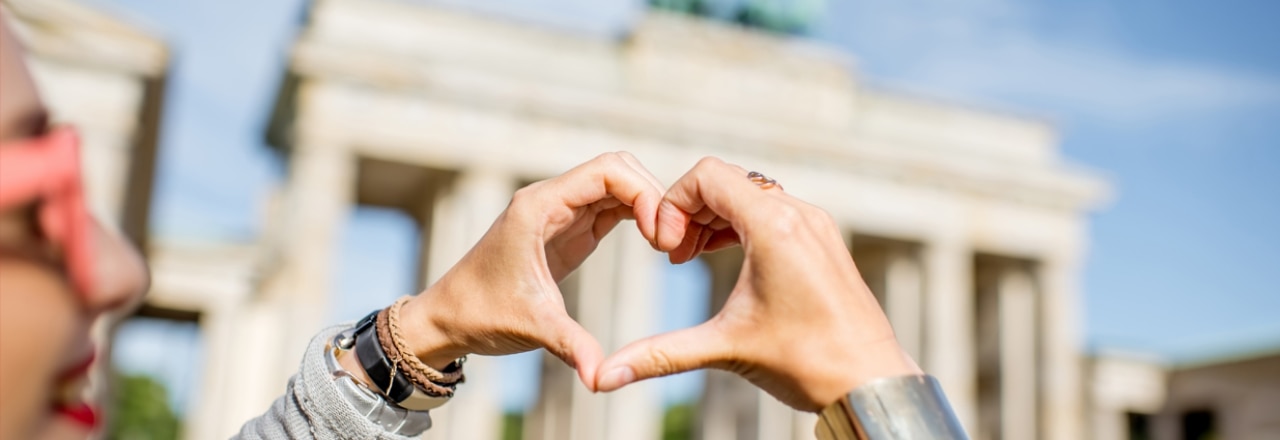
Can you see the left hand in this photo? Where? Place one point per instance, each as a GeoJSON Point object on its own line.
{"type": "Point", "coordinates": [800, 322]}
{"type": "Point", "coordinates": [502, 297]}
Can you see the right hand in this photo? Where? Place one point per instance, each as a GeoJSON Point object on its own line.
{"type": "Point", "coordinates": [502, 297]}
{"type": "Point", "coordinates": [800, 323]}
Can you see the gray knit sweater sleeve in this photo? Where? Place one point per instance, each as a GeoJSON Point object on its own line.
{"type": "Point", "coordinates": [312, 407]}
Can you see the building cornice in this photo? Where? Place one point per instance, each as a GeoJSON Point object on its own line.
{"type": "Point", "coordinates": [617, 86]}
{"type": "Point", "coordinates": [71, 32]}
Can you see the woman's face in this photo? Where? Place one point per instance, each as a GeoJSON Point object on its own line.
{"type": "Point", "coordinates": [45, 344]}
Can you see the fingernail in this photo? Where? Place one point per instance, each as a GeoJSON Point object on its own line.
{"type": "Point", "coordinates": [616, 378]}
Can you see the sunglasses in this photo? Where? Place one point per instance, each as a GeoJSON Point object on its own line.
{"type": "Point", "coordinates": [44, 171]}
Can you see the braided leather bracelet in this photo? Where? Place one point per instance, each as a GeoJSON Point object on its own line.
{"type": "Point", "coordinates": [452, 373]}
{"type": "Point", "coordinates": [431, 381]}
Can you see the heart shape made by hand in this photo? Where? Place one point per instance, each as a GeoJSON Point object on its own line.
{"type": "Point", "coordinates": [800, 322]}
{"type": "Point", "coordinates": [798, 298]}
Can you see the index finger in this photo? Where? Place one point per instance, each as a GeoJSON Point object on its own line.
{"type": "Point", "coordinates": [614, 175]}
{"type": "Point", "coordinates": [713, 184]}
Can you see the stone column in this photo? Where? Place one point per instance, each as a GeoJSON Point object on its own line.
{"type": "Point", "coordinates": [904, 299]}
{"type": "Point", "coordinates": [802, 425]}
{"type": "Point", "coordinates": [319, 194]}
{"type": "Point", "coordinates": [271, 331]}
{"type": "Point", "coordinates": [949, 313]}
{"type": "Point", "coordinates": [238, 344]}
{"type": "Point", "coordinates": [615, 302]}
{"type": "Point", "coordinates": [775, 418]}
{"type": "Point", "coordinates": [729, 408]}
{"type": "Point", "coordinates": [460, 219]}
{"type": "Point", "coordinates": [1062, 405]}
{"type": "Point", "coordinates": [551, 417]}
{"type": "Point", "coordinates": [779, 421]}
{"type": "Point", "coordinates": [1018, 349]}
{"type": "Point", "coordinates": [598, 276]}
{"type": "Point", "coordinates": [634, 412]}
{"type": "Point", "coordinates": [892, 270]}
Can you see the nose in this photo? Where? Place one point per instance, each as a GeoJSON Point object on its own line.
{"type": "Point", "coordinates": [121, 277]}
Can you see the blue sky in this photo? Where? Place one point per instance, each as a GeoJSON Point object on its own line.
{"type": "Point", "coordinates": [1176, 102]}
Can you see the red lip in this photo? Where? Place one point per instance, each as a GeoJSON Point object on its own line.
{"type": "Point", "coordinates": [80, 413]}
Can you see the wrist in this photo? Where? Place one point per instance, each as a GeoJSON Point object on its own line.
{"type": "Point", "coordinates": [866, 363]}
{"type": "Point", "coordinates": [425, 336]}
{"type": "Point", "coordinates": [884, 358]}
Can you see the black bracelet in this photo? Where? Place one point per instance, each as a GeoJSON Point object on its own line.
{"type": "Point", "coordinates": [390, 381]}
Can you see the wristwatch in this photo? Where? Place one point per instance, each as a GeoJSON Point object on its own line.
{"type": "Point", "coordinates": [891, 408]}
{"type": "Point", "coordinates": [389, 380]}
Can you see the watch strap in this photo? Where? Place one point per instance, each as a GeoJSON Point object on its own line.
{"type": "Point", "coordinates": [381, 370]}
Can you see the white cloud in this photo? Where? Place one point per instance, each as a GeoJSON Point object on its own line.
{"type": "Point", "coordinates": [992, 49]}
{"type": "Point", "coordinates": [1094, 81]}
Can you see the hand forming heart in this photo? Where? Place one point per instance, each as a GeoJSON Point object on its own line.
{"type": "Point", "coordinates": [800, 323]}
{"type": "Point", "coordinates": [502, 297]}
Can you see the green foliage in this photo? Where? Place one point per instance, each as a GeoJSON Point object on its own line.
{"type": "Point", "coordinates": [791, 17]}
{"type": "Point", "coordinates": [699, 8]}
{"type": "Point", "coordinates": [142, 410]}
{"type": "Point", "coordinates": [512, 426]}
{"type": "Point", "coordinates": [781, 16]}
{"type": "Point", "coordinates": [678, 422]}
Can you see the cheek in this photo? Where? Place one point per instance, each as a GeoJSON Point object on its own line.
{"type": "Point", "coordinates": [39, 321]}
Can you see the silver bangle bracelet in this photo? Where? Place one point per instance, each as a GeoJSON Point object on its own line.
{"type": "Point", "coordinates": [891, 408]}
{"type": "Point", "coordinates": [373, 406]}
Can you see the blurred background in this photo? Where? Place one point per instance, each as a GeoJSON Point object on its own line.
{"type": "Point", "coordinates": [1068, 209]}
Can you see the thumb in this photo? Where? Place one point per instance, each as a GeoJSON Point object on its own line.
{"type": "Point", "coordinates": [576, 347]}
{"type": "Point", "coordinates": [665, 354]}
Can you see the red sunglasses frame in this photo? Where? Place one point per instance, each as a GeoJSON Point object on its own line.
{"type": "Point", "coordinates": [45, 170]}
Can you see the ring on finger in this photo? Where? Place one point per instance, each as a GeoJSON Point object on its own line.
{"type": "Point", "coordinates": [762, 181]}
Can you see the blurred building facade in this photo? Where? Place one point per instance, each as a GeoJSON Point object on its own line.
{"type": "Point", "coordinates": [967, 224]}
{"type": "Point", "coordinates": [1137, 398]}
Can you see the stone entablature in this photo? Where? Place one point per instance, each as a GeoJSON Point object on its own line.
{"type": "Point", "coordinates": [70, 32]}
{"type": "Point", "coordinates": [724, 89]}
